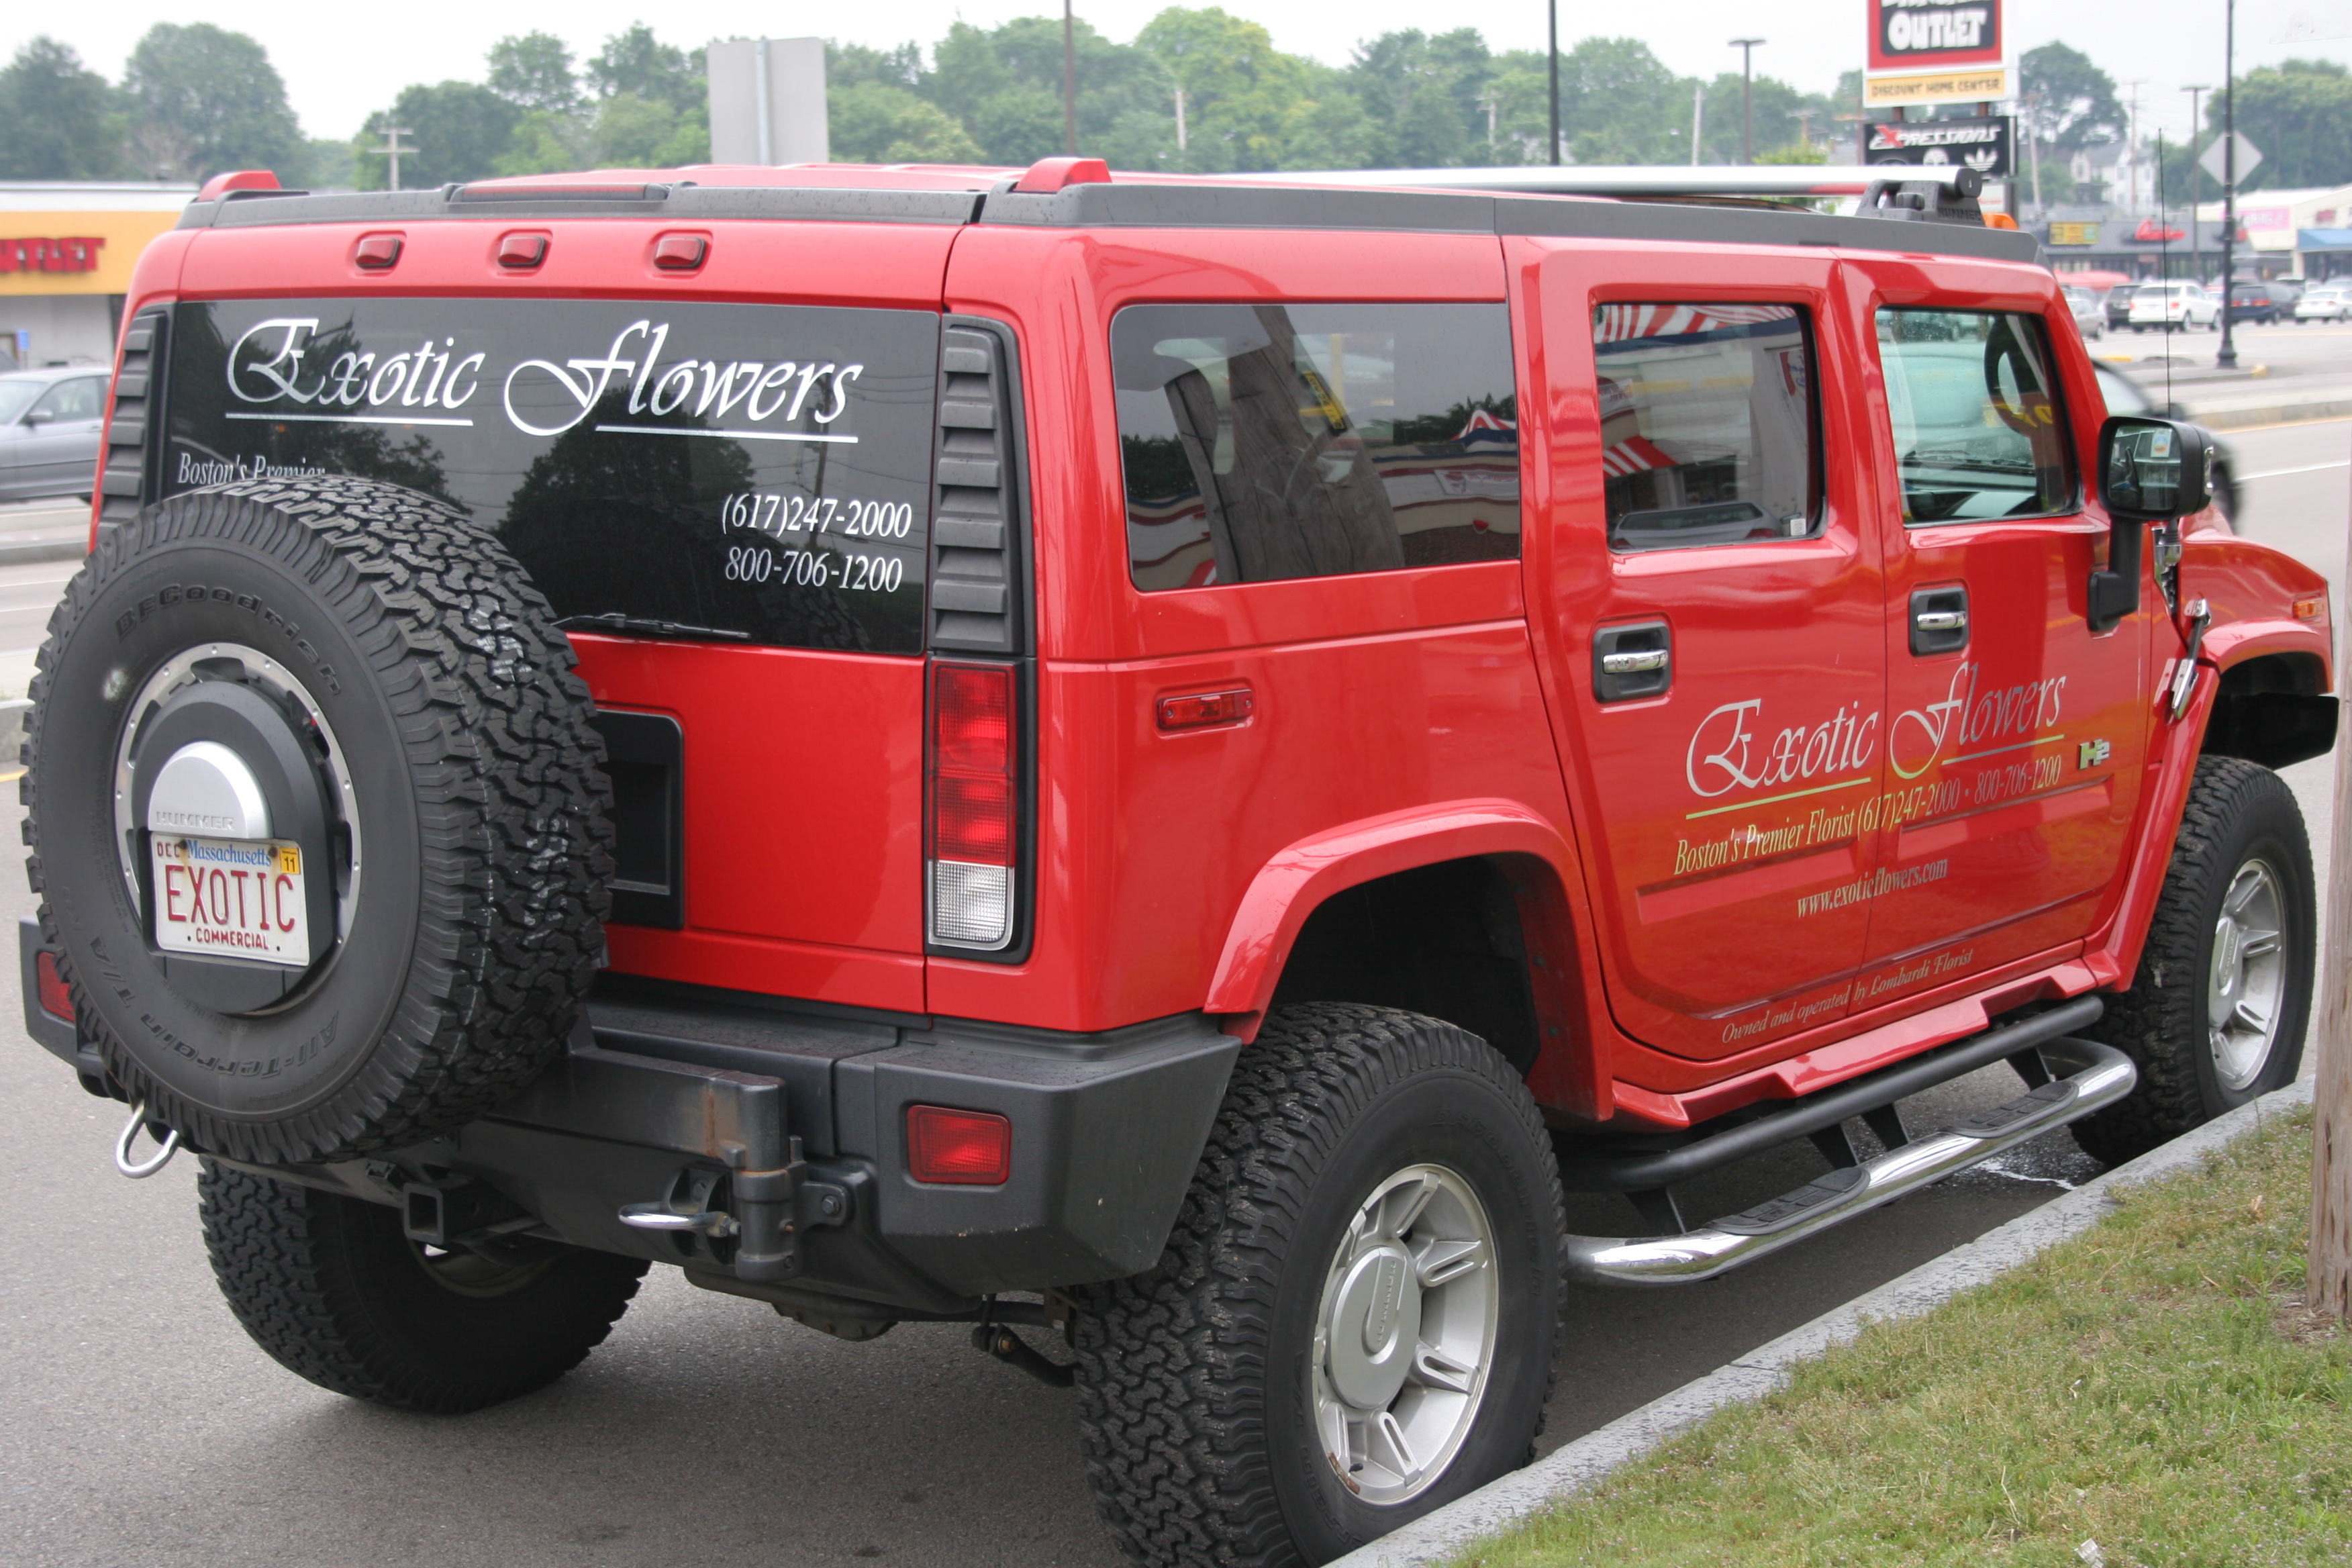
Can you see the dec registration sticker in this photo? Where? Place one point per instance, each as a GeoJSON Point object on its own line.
{"type": "Point", "coordinates": [231, 898]}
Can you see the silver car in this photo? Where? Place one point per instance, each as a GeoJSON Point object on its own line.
{"type": "Point", "coordinates": [50, 425]}
{"type": "Point", "coordinates": [2090, 312]}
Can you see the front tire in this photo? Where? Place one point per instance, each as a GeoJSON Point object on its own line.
{"type": "Point", "coordinates": [2216, 1012]}
{"type": "Point", "coordinates": [334, 1291]}
{"type": "Point", "coordinates": [1356, 1316]}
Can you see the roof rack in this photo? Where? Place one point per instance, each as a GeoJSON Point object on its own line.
{"type": "Point", "coordinates": [1661, 180]}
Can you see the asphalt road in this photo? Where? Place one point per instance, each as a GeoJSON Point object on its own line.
{"type": "Point", "coordinates": [139, 1425]}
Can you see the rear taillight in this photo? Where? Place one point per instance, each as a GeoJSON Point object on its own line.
{"type": "Point", "coordinates": [959, 1148]}
{"type": "Point", "coordinates": [56, 1001]}
{"type": "Point", "coordinates": [973, 841]}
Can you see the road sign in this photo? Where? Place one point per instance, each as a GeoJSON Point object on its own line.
{"type": "Point", "coordinates": [2248, 156]}
{"type": "Point", "coordinates": [1980, 141]}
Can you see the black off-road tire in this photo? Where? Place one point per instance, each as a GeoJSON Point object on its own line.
{"type": "Point", "coordinates": [333, 1291]}
{"type": "Point", "coordinates": [479, 788]}
{"type": "Point", "coordinates": [2237, 812]}
{"type": "Point", "coordinates": [1194, 1377]}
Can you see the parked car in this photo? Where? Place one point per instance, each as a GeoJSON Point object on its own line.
{"type": "Point", "coordinates": [2261, 301]}
{"type": "Point", "coordinates": [49, 425]}
{"type": "Point", "coordinates": [2115, 304]}
{"type": "Point", "coordinates": [2324, 303]}
{"type": "Point", "coordinates": [2125, 395]}
{"type": "Point", "coordinates": [1088, 757]}
{"type": "Point", "coordinates": [2090, 318]}
{"type": "Point", "coordinates": [2173, 307]}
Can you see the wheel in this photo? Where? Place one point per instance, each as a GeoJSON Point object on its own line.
{"type": "Point", "coordinates": [334, 1291]}
{"type": "Point", "coordinates": [313, 786]}
{"type": "Point", "coordinates": [1356, 1316]}
{"type": "Point", "coordinates": [2216, 1010]}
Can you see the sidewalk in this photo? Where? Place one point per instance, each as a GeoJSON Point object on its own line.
{"type": "Point", "coordinates": [43, 530]}
{"type": "Point", "coordinates": [2254, 393]}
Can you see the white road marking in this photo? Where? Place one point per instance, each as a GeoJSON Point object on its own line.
{"type": "Point", "coordinates": [2313, 469]}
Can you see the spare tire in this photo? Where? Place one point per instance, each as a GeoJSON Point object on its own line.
{"type": "Point", "coordinates": [317, 818]}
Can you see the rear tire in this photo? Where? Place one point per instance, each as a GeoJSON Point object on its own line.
{"type": "Point", "coordinates": [1216, 1387]}
{"type": "Point", "coordinates": [334, 1291]}
{"type": "Point", "coordinates": [2215, 1015]}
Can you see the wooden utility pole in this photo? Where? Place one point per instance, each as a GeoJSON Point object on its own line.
{"type": "Point", "coordinates": [2328, 1280]}
{"type": "Point", "coordinates": [1070, 84]}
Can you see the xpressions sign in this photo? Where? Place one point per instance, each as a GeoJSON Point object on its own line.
{"type": "Point", "coordinates": [1935, 51]}
{"type": "Point", "coordinates": [1981, 142]}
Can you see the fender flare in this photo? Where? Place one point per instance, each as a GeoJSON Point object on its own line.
{"type": "Point", "coordinates": [1302, 875]}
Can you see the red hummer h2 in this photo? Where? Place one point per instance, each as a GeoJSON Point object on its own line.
{"type": "Point", "coordinates": [1162, 760]}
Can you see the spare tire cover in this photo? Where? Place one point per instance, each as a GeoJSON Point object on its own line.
{"type": "Point", "coordinates": [367, 676]}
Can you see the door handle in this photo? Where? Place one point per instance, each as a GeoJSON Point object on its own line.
{"type": "Point", "coordinates": [1633, 661]}
{"type": "Point", "coordinates": [1939, 620]}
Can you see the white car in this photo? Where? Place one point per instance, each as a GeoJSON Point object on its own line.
{"type": "Point", "coordinates": [2171, 307]}
{"type": "Point", "coordinates": [2323, 304]}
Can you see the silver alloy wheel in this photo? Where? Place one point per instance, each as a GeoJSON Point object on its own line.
{"type": "Point", "coordinates": [1404, 1334]}
{"type": "Point", "coordinates": [2245, 989]}
{"type": "Point", "coordinates": [260, 670]}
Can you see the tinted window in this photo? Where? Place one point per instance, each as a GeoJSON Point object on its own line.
{"type": "Point", "coordinates": [761, 472]}
{"type": "Point", "coordinates": [1707, 423]}
{"type": "Point", "coordinates": [1978, 429]}
{"type": "Point", "coordinates": [79, 398]}
{"type": "Point", "coordinates": [1262, 442]}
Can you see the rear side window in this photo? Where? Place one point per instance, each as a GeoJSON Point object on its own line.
{"type": "Point", "coordinates": [1978, 429]}
{"type": "Point", "coordinates": [733, 473]}
{"type": "Point", "coordinates": [1707, 423]}
{"type": "Point", "coordinates": [1263, 442]}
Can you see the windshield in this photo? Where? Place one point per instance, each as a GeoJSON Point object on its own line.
{"type": "Point", "coordinates": [755, 473]}
{"type": "Point", "coordinates": [15, 396]}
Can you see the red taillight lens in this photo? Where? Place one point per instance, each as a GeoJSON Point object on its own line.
{"type": "Point", "coordinates": [958, 1148]}
{"type": "Point", "coordinates": [974, 829]}
{"type": "Point", "coordinates": [972, 820]}
{"type": "Point", "coordinates": [56, 1000]}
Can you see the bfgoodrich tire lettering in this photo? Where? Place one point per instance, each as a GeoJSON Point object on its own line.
{"type": "Point", "coordinates": [479, 796]}
{"type": "Point", "coordinates": [333, 1291]}
{"type": "Point", "coordinates": [2239, 816]}
{"type": "Point", "coordinates": [1195, 1379]}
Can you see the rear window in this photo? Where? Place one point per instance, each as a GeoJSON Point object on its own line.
{"type": "Point", "coordinates": [1263, 442]}
{"type": "Point", "coordinates": [743, 473]}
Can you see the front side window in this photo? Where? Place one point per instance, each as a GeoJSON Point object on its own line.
{"type": "Point", "coordinates": [1265, 442]}
{"type": "Point", "coordinates": [79, 399]}
{"type": "Point", "coordinates": [1707, 423]}
{"type": "Point", "coordinates": [1978, 429]}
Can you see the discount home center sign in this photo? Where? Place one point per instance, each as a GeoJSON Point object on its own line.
{"type": "Point", "coordinates": [1935, 51]}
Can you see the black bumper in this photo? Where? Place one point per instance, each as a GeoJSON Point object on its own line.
{"type": "Point", "coordinates": [793, 1124]}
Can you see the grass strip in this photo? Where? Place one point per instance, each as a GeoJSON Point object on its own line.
{"type": "Point", "coordinates": [2153, 1385]}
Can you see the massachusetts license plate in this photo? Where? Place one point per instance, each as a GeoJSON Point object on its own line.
{"type": "Point", "coordinates": [231, 898]}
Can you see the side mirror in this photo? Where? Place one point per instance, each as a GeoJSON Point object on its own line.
{"type": "Point", "coordinates": [2150, 470]}
{"type": "Point", "coordinates": [39, 416]}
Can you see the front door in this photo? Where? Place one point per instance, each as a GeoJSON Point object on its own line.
{"type": "Point", "coordinates": [1718, 625]}
{"type": "Point", "coordinates": [59, 453]}
{"type": "Point", "coordinates": [2015, 727]}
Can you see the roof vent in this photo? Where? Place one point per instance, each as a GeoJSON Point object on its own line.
{"type": "Point", "coordinates": [975, 595]}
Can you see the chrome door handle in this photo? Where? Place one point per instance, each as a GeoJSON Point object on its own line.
{"type": "Point", "coordinates": [1941, 620]}
{"type": "Point", "coordinates": [1634, 663]}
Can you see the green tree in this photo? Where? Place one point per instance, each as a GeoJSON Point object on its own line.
{"type": "Point", "coordinates": [1427, 92]}
{"type": "Point", "coordinates": [2069, 103]}
{"type": "Point", "coordinates": [635, 63]}
{"type": "Point", "coordinates": [202, 101]}
{"type": "Point", "coordinates": [634, 132]}
{"type": "Point", "coordinates": [877, 122]}
{"type": "Point", "coordinates": [1620, 104]}
{"type": "Point", "coordinates": [57, 118]}
{"type": "Point", "coordinates": [2299, 112]}
{"type": "Point", "coordinates": [459, 129]}
{"type": "Point", "coordinates": [533, 71]}
{"type": "Point", "coordinates": [1241, 92]}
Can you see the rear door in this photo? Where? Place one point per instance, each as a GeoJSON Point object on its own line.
{"type": "Point", "coordinates": [2015, 727]}
{"type": "Point", "coordinates": [727, 506]}
{"type": "Point", "coordinates": [1717, 626]}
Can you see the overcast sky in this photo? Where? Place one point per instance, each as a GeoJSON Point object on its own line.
{"type": "Point", "coordinates": [342, 63]}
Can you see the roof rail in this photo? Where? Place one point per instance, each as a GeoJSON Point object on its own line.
{"type": "Point", "coordinates": [1661, 180]}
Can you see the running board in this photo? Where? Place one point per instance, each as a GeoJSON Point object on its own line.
{"type": "Point", "coordinates": [2089, 1075]}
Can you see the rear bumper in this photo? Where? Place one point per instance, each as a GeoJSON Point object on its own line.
{"type": "Point", "coordinates": [793, 1125]}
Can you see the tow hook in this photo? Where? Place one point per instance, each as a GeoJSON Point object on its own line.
{"type": "Point", "coordinates": [2184, 674]}
{"type": "Point", "coordinates": [762, 1212]}
{"type": "Point", "coordinates": [169, 1146]}
{"type": "Point", "coordinates": [997, 1339]}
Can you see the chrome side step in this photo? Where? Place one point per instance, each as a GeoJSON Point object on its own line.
{"type": "Point", "coordinates": [2089, 1076]}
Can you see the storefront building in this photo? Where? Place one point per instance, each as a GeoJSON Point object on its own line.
{"type": "Point", "coordinates": [67, 249]}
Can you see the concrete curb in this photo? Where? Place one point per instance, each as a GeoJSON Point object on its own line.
{"type": "Point", "coordinates": [1571, 1467]}
{"type": "Point", "coordinates": [20, 552]}
{"type": "Point", "coordinates": [12, 728]}
{"type": "Point", "coordinates": [2270, 413]}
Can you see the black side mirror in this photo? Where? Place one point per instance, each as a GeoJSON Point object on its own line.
{"type": "Point", "coordinates": [2150, 470]}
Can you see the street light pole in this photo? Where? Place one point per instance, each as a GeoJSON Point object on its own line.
{"type": "Point", "coordinates": [1552, 11]}
{"type": "Point", "coordinates": [2196, 185]}
{"type": "Point", "coordinates": [2228, 358]}
{"type": "Point", "coordinates": [1069, 83]}
{"type": "Point", "coordinates": [1746, 47]}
